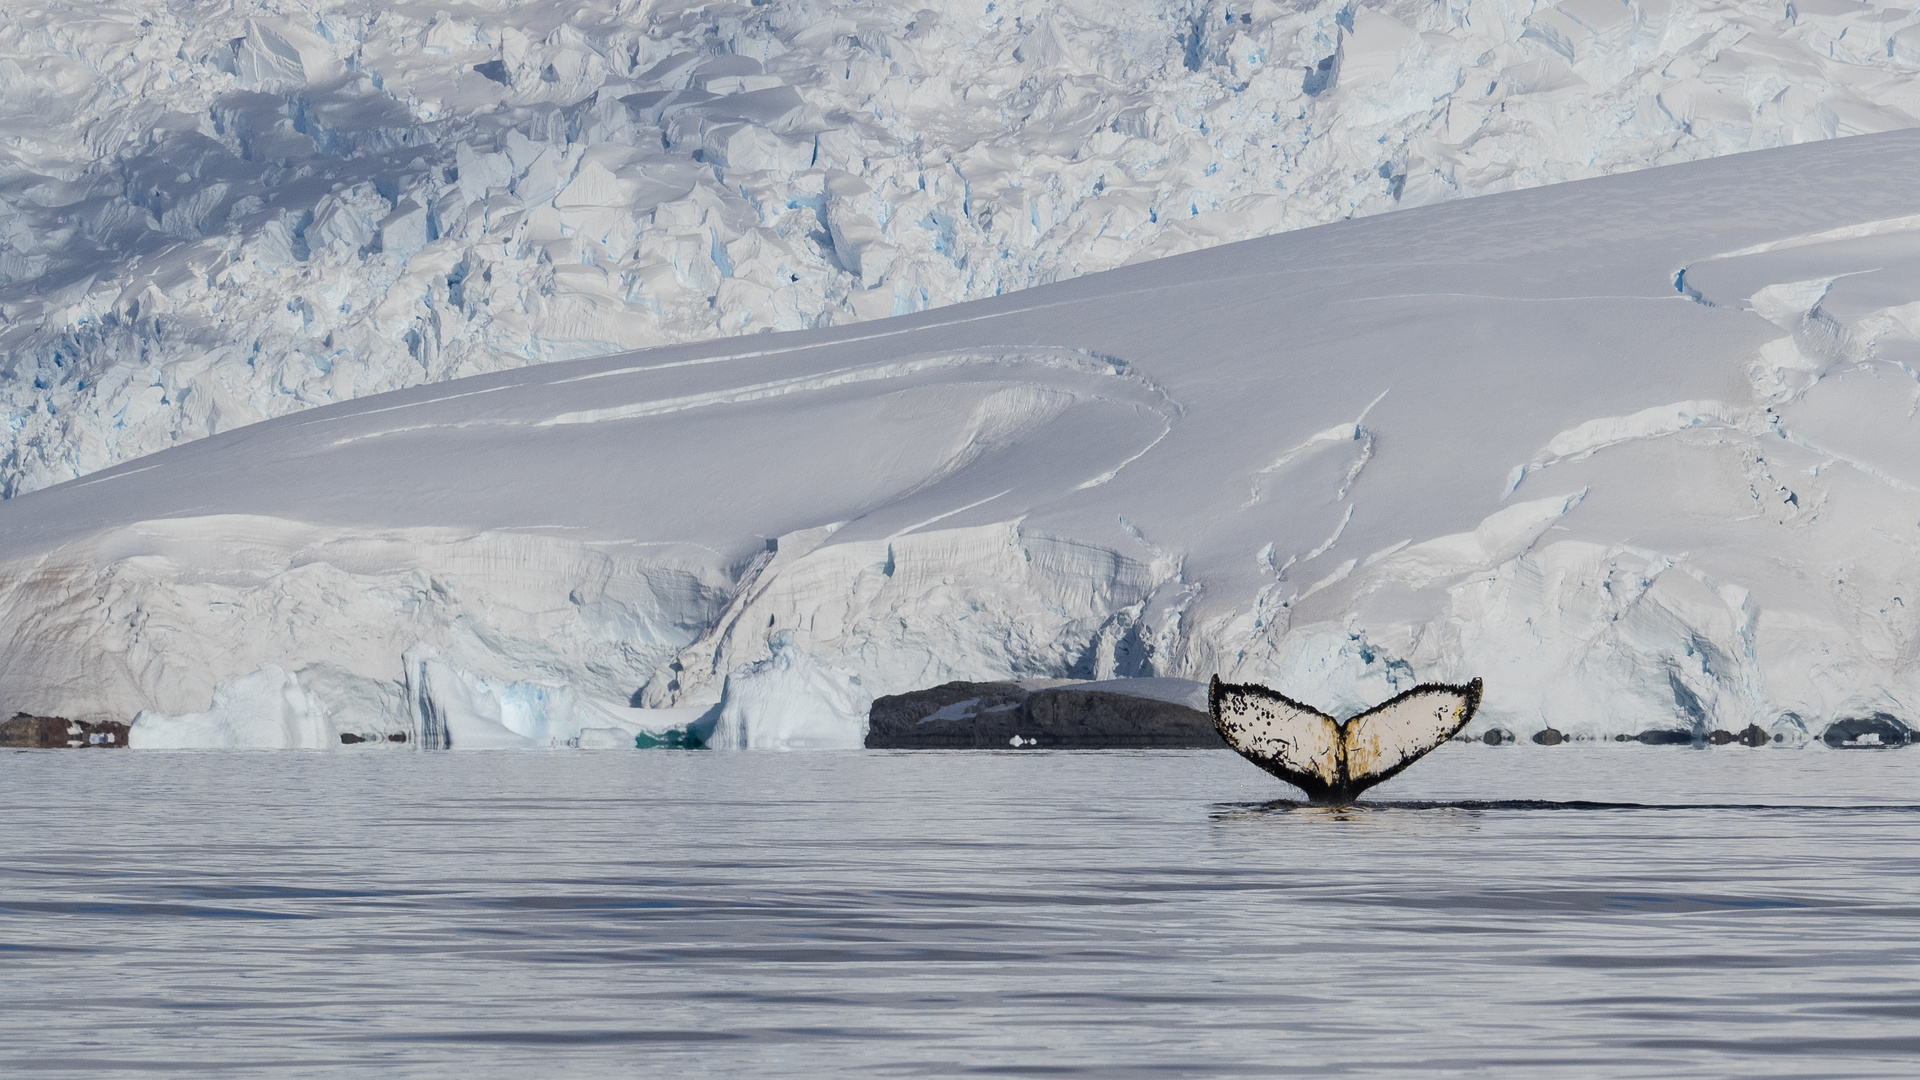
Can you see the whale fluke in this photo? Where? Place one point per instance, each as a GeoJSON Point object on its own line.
{"type": "Point", "coordinates": [1334, 761]}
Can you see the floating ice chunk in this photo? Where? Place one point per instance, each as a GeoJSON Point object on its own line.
{"type": "Point", "coordinates": [264, 710]}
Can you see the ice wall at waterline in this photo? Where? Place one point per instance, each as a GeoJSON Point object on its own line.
{"type": "Point", "coordinates": [1639, 451]}
{"type": "Point", "coordinates": [791, 700]}
{"type": "Point", "coordinates": [270, 709]}
{"type": "Point", "coordinates": [453, 708]}
{"type": "Point", "coordinates": [208, 217]}
{"type": "Point", "coordinates": [158, 616]}
{"type": "Point", "coordinates": [264, 710]}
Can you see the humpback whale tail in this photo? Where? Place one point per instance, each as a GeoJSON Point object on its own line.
{"type": "Point", "coordinates": [1334, 761]}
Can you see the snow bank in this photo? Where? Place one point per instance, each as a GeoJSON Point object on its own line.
{"type": "Point", "coordinates": [210, 217]}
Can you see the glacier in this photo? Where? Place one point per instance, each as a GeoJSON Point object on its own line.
{"type": "Point", "coordinates": [214, 214]}
{"type": "Point", "coordinates": [1638, 450]}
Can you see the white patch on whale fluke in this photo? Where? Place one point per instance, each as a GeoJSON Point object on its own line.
{"type": "Point", "coordinates": [1394, 735]}
{"type": "Point", "coordinates": [1334, 761]}
{"type": "Point", "coordinates": [1278, 734]}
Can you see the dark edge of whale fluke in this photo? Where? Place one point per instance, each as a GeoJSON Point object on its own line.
{"type": "Point", "coordinates": [1345, 787]}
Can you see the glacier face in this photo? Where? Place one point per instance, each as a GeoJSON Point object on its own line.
{"type": "Point", "coordinates": [1639, 451]}
{"type": "Point", "coordinates": [214, 214]}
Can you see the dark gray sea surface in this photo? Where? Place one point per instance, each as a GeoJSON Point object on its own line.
{"type": "Point", "coordinates": [1583, 911]}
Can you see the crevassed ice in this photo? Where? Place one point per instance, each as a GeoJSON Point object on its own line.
{"type": "Point", "coordinates": [208, 218]}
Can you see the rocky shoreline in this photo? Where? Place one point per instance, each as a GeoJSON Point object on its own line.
{"type": "Point", "coordinates": [26, 731]}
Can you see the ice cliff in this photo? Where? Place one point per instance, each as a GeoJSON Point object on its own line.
{"type": "Point", "coordinates": [1640, 451]}
{"type": "Point", "coordinates": [212, 214]}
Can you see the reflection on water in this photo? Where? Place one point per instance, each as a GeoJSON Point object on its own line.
{"type": "Point", "coordinates": [1521, 911]}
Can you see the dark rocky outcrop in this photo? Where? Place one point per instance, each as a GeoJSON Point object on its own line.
{"type": "Point", "coordinates": [107, 734]}
{"type": "Point", "coordinates": [1549, 737]}
{"type": "Point", "coordinates": [1497, 737]}
{"type": "Point", "coordinates": [59, 733]}
{"type": "Point", "coordinates": [35, 731]}
{"type": "Point", "coordinates": [1877, 732]}
{"type": "Point", "coordinates": [1665, 738]}
{"type": "Point", "coordinates": [992, 716]}
{"type": "Point", "coordinates": [348, 738]}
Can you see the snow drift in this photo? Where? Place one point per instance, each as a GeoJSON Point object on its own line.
{"type": "Point", "coordinates": [1640, 451]}
{"type": "Point", "coordinates": [215, 214]}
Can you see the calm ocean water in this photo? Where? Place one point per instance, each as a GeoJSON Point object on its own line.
{"type": "Point", "coordinates": [1118, 914]}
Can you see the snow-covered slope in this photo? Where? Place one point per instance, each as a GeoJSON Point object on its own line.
{"type": "Point", "coordinates": [1639, 451]}
{"type": "Point", "coordinates": [212, 213]}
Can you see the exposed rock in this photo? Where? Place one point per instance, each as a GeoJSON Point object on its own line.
{"type": "Point", "coordinates": [1549, 737]}
{"type": "Point", "coordinates": [1720, 737]}
{"type": "Point", "coordinates": [106, 734]}
{"type": "Point", "coordinates": [1497, 737]}
{"type": "Point", "coordinates": [37, 731]}
{"type": "Point", "coordinates": [1666, 738]}
{"type": "Point", "coordinates": [1005, 715]}
{"type": "Point", "coordinates": [57, 732]}
{"type": "Point", "coordinates": [348, 738]}
{"type": "Point", "coordinates": [1754, 735]}
{"type": "Point", "coordinates": [1880, 731]}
